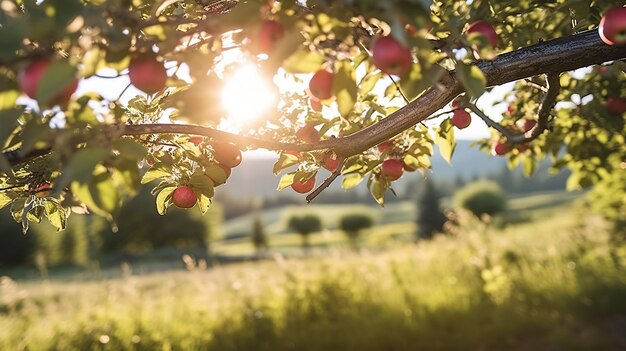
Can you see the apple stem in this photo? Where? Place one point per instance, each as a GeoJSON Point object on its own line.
{"type": "Point", "coordinates": [327, 182]}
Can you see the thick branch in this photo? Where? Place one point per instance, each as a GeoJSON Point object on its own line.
{"type": "Point", "coordinates": [550, 57]}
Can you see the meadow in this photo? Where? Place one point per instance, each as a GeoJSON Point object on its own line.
{"type": "Point", "coordinates": [553, 281]}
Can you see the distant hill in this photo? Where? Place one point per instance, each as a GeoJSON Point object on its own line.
{"type": "Point", "coordinates": [254, 177]}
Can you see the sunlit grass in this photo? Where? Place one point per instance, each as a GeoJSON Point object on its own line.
{"type": "Point", "coordinates": [551, 282]}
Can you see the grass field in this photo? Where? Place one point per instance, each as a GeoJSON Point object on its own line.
{"type": "Point", "coordinates": [554, 283]}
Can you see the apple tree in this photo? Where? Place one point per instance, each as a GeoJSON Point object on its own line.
{"type": "Point", "coordinates": [361, 90]}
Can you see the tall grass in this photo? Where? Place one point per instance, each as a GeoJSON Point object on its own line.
{"type": "Point", "coordinates": [550, 284]}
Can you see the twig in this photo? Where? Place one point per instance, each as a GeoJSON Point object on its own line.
{"type": "Point", "coordinates": [327, 182]}
{"type": "Point", "coordinates": [543, 115]}
{"type": "Point", "coordinates": [535, 85]}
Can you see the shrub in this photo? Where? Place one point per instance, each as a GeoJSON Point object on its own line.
{"type": "Point", "coordinates": [430, 217]}
{"type": "Point", "coordinates": [482, 197]}
{"type": "Point", "coordinates": [305, 225]}
{"type": "Point", "coordinates": [352, 224]}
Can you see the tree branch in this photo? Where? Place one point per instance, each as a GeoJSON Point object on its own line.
{"type": "Point", "coordinates": [543, 115]}
{"type": "Point", "coordinates": [549, 57]}
{"type": "Point", "coordinates": [327, 182]}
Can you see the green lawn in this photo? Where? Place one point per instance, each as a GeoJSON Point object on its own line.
{"type": "Point", "coordinates": [554, 283]}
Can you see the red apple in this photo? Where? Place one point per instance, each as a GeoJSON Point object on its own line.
{"type": "Point", "coordinates": [391, 57]}
{"type": "Point", "coordinates": [303, 187]}
{"type": "Point", "coordinates": [522, 147]}
{"type": "Point", "coordinates": [315, 104]}
{"type": "Point", "coordinates": [456, 102]}
{"type": "Point", "coordinates": [293, 152]}
{"type": "Point", "coordinates": [270, 33]}
{"type": "Point", "coordinates": [408, 168]}
{"type": "Point", "coordinates": [461, 119]}
{"type": "Point", "coordinates": [526, 124]}
{"type": "Point", "coordinates": [392, 169]}
{"type": "Point", "coordinates": [330, 161]}
{"type": "Point", "coordinates": [184, 197]}
{"type": "Point", "coordinates": [510, 109]}
{"type": "Point", "coordinates": [500, 148]}
{"type": "Point", "coordinates": [196, 140]}
{"type": "Point", "coordinates": [43, 190]}
{"type": "Point", "coordinates": [385, 145]}
{"type": "Point", "coordinates": [147, 74]}
{"type": "Point", "coordinates": [226, 154]}
{"type": "Point", "coordinates": [616, 104]}
{"type": "Point", "coordinates": [612, 28]}
{"type": "Point", "coordinates": [321, 84]}
{"type": "Point", "coordinates": [485, 29]}
{"type": "Point", "coordinates": [32, 74]}
{"type": "Point", "coordinates": [308, 134]}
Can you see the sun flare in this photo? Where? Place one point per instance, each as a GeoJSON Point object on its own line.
{"type": "Point", "coordinates": [247, 95]}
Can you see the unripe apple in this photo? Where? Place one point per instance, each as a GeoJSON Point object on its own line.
{"type": "Point", "coordinates": [612, 27]}
{"type": "Point", "coordinates": [321, 84]}
{"type": "Point", "coordinates": [392, 169]}
{"type": "Point", "coordinates": [461, 119]}
{"type": "Point", "coordinates": [184, 197]}
{"type": "Point", "coordinates": [485, 29]}
{"type": "Point", "coordinates": [270, 33]}
{"type": "Point", "coordinates": [30, 77]}
{"type": "Point", "coordinates": [147, 74]}
{"type": "Point", "coordinates": [616, 104]}
{"type": "Point", "coordinates": [330, 161]}
{"type": "Point", "coordinates": [308, 134]}
{"type": "Point", "coordinates": [303, 187]}
{"type": "Point", "coordinates": [526, 124]}
{"type": "Point", "coordinates": [391, 57]}
{"type": "Point", "coordinates": [315, 104]}
{"type": "Point", "coordinates": [500, 148]}
{"type": "Point", "coordinates": [226, 154]}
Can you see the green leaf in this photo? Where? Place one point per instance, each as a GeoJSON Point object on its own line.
{"type": "Point", "coordinates": [159, 170]}
{"type": "Point", "coordinates": [57, 77]}
{"type": "Point", "coordinates": [529, 166]}
{"type": "Point", "coordinates": [378, 192]}
{"type": "Point", "coordinates": [100, 194]}
{"type": "Point", "coordinates": [445, 139]}
{"type": "Point", "coordinates": [368, 83]}
{"type": "Point", "coordinates": [472, 79]}
{"type": "Point", "coordinates": [285, 161]}
{"type": "Point", "coordinates": [8, 99]}
{"type": "Point", "coordinates": [352, 180]}
{"type": "Point", "coordinates": [6, 198]}
{"type": "Point", "coordinates": [81, 166]}
{"type": "Point", "coordinates": [56, 214]}
{"type": "Point", "coordinates": [163, 199]}
{"type": "Point", "coordinates": [126, 172]}
{"type": "Point", "coordinates": [204, 202]}
{"type": "Point", "coordinates": [129, 148]}
{"type": "Point", "coordinates": [286, 180]}
{"type": "Point", "coordinates": [201, 184]}
{"type": "Point", "coordinates": [345, 89]}
{"type": "Point", "coordinates": [303, 61]}
{"type": "Point", "coordinates": [216, 173]}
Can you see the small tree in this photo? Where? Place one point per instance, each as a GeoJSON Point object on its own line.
{"type": "Point", "coordinates": [305, 225]}
{"type": "Point", "coordinates": [482, 197]}
{"type": "Point", "coordinates": [353, 224]}
{"type": "Point", "coordinates": [430, 217]}
{"type": "Point", "coordinates": [259, 236]}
